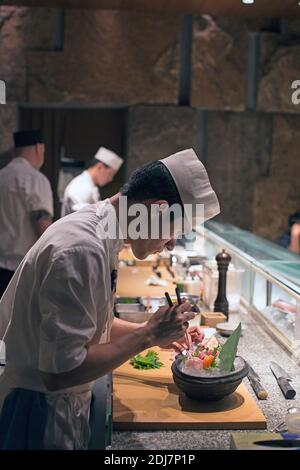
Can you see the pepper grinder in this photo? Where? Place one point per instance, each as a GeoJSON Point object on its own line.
{"type": "Point", "coordinates": [221, 303]}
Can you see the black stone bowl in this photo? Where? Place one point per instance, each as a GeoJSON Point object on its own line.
{"type": "Point", "coordinates": [210, 388]}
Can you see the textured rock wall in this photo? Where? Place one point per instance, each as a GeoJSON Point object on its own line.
{"type": "Point", "coordinates": [22, 29]}
{"type": "Point", "coordinates": [238, 154]}
{"type": "Point", "coordinates": [8, 123]}
{"type": "Point", "coordinates": [112, 58]}
{"type": "Point", "coordinates": [155, 132]}
{"type": "Point", "coordinates": [278, 194]}
{"type": "Point", "coordinates": [219, 61]}
{"type": "Point", "coordinates": [280, 66]}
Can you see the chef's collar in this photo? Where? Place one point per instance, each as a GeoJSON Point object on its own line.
{"type": "Point", "coordinates": [107, 217]}
{"type": "Point", "coordinates": [193, 185]}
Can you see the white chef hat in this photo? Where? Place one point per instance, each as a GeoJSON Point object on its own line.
{"type": "Point", "coordinates": [193, 185]}
{"type": "Point", "coordinates": [110, 158]}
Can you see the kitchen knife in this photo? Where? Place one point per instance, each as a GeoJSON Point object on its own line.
{"type": "Point", "coordinates": [280, 443]}
{"type": "Point", "coordinates": [283, 379]}
{"type": "Point", "coordinates": [255, 382]}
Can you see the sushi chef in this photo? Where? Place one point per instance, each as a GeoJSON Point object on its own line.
{"type": "Point", "coordinates": [84, 188]}
{"type": "Point", "coordinates": [56, 317]}
{"type": "Point", "coordinates": [26, 202]}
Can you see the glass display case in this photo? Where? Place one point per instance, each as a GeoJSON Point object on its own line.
{"type": "Point", "coordinates": [270, 287]}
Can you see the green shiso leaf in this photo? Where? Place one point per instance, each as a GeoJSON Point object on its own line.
{"type": "Point", "coordinates": [229, 350]}
{"type": "Point", "coordinates": [149, 361]}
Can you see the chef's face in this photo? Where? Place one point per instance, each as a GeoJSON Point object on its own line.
{"type": "Point", "coordinates": [104, 174]}
{"type": "Point", "coordinates": [165, 239]}
{"type": "Point", "coordinates": [143, 248]}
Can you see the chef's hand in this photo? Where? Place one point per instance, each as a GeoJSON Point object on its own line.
{"type": "Point", "coordinates": [169, 324]}
{"type": "Point", "coordinates": [195, 334]}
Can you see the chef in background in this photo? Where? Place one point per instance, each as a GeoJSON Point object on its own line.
{"type": "Point", "coordinates": [26, 203]}
{"type": "Point", "coordinates": [291, 238]}
{"type": "Point", "coordinates": [84, 188]}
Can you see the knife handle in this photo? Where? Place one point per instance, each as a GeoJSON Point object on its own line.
{"type": "Point", "coordinates": [286, 388]}
{"type": "Point", "coordinates": [260, 392]}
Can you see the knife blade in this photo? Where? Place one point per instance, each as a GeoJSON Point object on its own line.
{"type": "Point", "coordinates": [280, 443]}
{"type": "Point", "coordinates": [283, 380]}
{"type": "Point", "coordinates": [255, 382]}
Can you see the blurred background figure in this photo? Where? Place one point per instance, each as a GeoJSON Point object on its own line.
{"type": "Point", "coordinates": [84, 188]}
{"type": "Point", "coordinates": [291, 238]}
{"type": "Point", "coordinates": [295, 238]}
{"type": "Point", "coordinates": [26, 202]}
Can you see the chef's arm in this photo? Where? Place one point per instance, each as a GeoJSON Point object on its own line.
{"type": "Point", "coordinates": [41, 220]}
{"type": "Point", "coordinates": [122, 327]}
{"type": "Point", "coordinates": [167, 325]}
{"type": "Point", "coordinates": [101, 359]}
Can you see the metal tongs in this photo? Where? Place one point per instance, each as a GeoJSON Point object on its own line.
{"type": "Point", "coordinates": [187, 337]}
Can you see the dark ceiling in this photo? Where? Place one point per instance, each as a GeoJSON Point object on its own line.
{"type": "Point", "coordinates": [262, 8]}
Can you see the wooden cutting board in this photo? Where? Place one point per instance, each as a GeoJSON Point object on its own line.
{"type": "Point", "coordinates": [149, 399]}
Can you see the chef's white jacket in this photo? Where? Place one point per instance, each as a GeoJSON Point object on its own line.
{"type": "Point", "coordinates": [79, 192]}
{"type": "Point", "coordinates": [23, 190]}
{"type": "Point", "coordinates": [60, 298]}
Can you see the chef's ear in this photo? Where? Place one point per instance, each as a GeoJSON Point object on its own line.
{"type": "Point", "coordinates": [163, 205]}
{"type": "Point", "coordinates": [39, 150]}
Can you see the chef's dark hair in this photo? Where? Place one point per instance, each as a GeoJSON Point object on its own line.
{"type": "Point", "coordinates": [151, 181]}
{"type": "Point", "coordinates": [95, 162]}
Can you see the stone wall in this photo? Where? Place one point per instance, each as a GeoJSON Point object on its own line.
{"type": "Point", "coordinates": [21, 30]}
{"type": "Point", "coordinates": [277, 195]}
{"type": "Point", "coordinates": [219, 61]}
{"type": "Point", "coordinates": [8, 123]}
{"type": "Point", "coordinates": [136, 61]}
{"type": "Point", "coordinates": [238, 155]}
{"type": "Point", "coordinates": [154, 132]}
{"type": "Point", "coordinates": [110, 57]}
{"type": "Point", "coordinates": [280, 66]}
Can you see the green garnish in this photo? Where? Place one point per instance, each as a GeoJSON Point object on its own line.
{"type": "Point", "coordinates": [149, 361]}
{"type": "Point", "coordinates": [128, 300]}
{"type": "Point", "coordinates": [229, 350]}
{"type": "Point", "coordinates": [183, 359]}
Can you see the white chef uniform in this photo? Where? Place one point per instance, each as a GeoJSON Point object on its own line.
{"type": "Point", "coordinates": [80, 192]}
{"type": "Point", "coordinates": [82, 189]}
{"type": "Point", "coordinates": [23, 190]}
{"type": "Point", "coordinates": [60, 299]}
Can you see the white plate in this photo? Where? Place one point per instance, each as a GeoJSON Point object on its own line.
{"type": "Point", "coordinates": [226, 328]}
